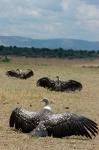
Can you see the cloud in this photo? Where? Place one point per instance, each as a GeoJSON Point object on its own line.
{"type": "Point", "coordinates": [88, 17]}
{"type": "Point", "coordinates": [93, 2]}
{"type": "Point", "coordinates": [87, 11]}
{"type": "Point", "coordinates": [50, 18]}
{"type": "Point", "coordinates": [83, 19]}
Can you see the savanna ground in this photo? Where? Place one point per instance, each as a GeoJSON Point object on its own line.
{"type": "Point", "coordinates": [16, 92]}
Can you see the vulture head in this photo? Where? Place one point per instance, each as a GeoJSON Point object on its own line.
{"type": "Point", "coordinates": [46, 102]}
{"type": "Point", "coordinates": [57, 80]}
{"type": "Point", "coordinates": [57, 77]}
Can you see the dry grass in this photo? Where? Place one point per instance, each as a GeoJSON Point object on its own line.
{"type": "Point", "coordinates": [25, 92]}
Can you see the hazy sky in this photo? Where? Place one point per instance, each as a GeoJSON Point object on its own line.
{"type": "Point", "coordinates": [50, 18]}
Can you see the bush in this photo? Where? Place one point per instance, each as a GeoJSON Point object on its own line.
{"type": "Point", "coordinates": [6, 59]}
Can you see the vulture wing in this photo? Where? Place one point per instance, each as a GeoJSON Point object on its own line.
{"type": "Point", "coordinates": [12, 73]}
{"type": "Point", "coordinates": [26, 74]}
{"type": "Point", "coordinates": [71, 85]}
{"type": "Point", "coordinates": [29, 73]}
{"type": "Point", "coordinates": [24, 120]}
{"type": "Point", "coordinates": [67, 124]}
{"type": "Point", "coordinates": [46, 83]}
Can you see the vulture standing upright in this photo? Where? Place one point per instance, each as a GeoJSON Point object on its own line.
{"type": "Point", "coordinates": [45, 123]}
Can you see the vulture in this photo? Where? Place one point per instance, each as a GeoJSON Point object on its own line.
{"type": "Point", "coordinates": [13, 73]}
{"type": "Point", "coordinates": [45, 123]}
{"type": "Point", "coordinates": [22, 74]}
{"type": "Point", "coordinates": [26, 74]}
{"type": "Point", "coordinates": [58, 85]}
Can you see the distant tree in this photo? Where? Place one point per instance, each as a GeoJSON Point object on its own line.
{"type": "Point", "coordinates": [46, 52]}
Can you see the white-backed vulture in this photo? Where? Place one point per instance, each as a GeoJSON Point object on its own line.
{"type": "Point", "coordinates": [22, 74]}
{"type": "Point", "coordinates": [58, 85]}
{"type": "Point", "coordinates": [45, 123]}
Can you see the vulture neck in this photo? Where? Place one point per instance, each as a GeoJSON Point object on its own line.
{"type": "Point", "coordinates": [58, 80]}
{"type": "Point", "coordinates": [47, 107]}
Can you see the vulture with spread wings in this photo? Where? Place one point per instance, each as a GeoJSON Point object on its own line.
{"type": "Point", "coordinates": [22, 74]}
{"type": "Point", "coordinates": [45, 123]}
{"type": "Point", "coordinates": [58, 85]}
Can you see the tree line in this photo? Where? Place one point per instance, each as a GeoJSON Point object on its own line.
{"type": "Point", "coordinates": [47, 53]}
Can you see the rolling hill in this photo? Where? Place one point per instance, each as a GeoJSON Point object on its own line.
{"type": "Point", "coordinates": [75, 44]}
